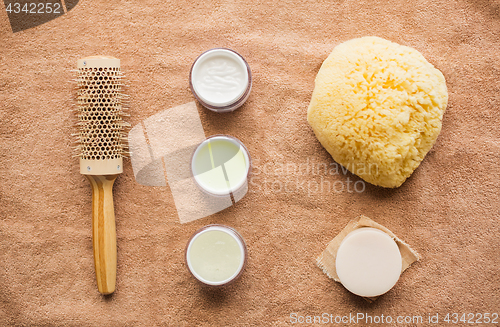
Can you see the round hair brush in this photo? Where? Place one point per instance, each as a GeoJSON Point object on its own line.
{"type": "Point", "coordinates": [101, 146]}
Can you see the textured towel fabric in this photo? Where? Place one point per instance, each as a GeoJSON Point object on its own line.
{"type": "Point", "coordinates": [298, 200]}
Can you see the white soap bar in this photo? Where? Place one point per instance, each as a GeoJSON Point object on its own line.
{"type": "Point", "coordinates": [368, 262]}
{"type": "Point", "coordinates": [216, 255]}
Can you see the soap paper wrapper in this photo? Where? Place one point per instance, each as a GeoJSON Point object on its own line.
{"type": "Point", "coordinates": [326, 260]}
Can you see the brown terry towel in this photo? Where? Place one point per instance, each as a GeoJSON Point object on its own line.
{"type": "Point", "coordinates": [448, 210]}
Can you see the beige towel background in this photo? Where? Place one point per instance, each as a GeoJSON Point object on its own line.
{"type": "Point", "coordinates": [448, 210]}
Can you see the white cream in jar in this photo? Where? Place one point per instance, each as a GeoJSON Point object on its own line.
{"type": "Point", "coordinates": [220, 79]}
{"type": "Point", "coordinates": [216, 255]}
{"type": "Point", "coordinates": [220, 165]}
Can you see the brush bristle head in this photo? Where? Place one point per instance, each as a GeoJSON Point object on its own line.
{"type": "Point", "coordinates": [102, 132]}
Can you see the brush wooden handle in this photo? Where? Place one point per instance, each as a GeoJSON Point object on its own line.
{"type": "Point", "coordinates": [104, 231]}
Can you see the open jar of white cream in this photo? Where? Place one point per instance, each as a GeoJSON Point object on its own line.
{"type": "Point", "coordinates": [216, 255]}
{"type": "Point", "coordinates": [220, 80]}
{"type": "Point", "coordinates": [221, 166]}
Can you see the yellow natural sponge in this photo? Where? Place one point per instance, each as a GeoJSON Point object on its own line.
{"type": "Point", "coordinates": [377, 108]}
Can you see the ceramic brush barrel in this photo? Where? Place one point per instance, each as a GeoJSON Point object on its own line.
{"type": "Point", "coordinates": [101, 147]}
